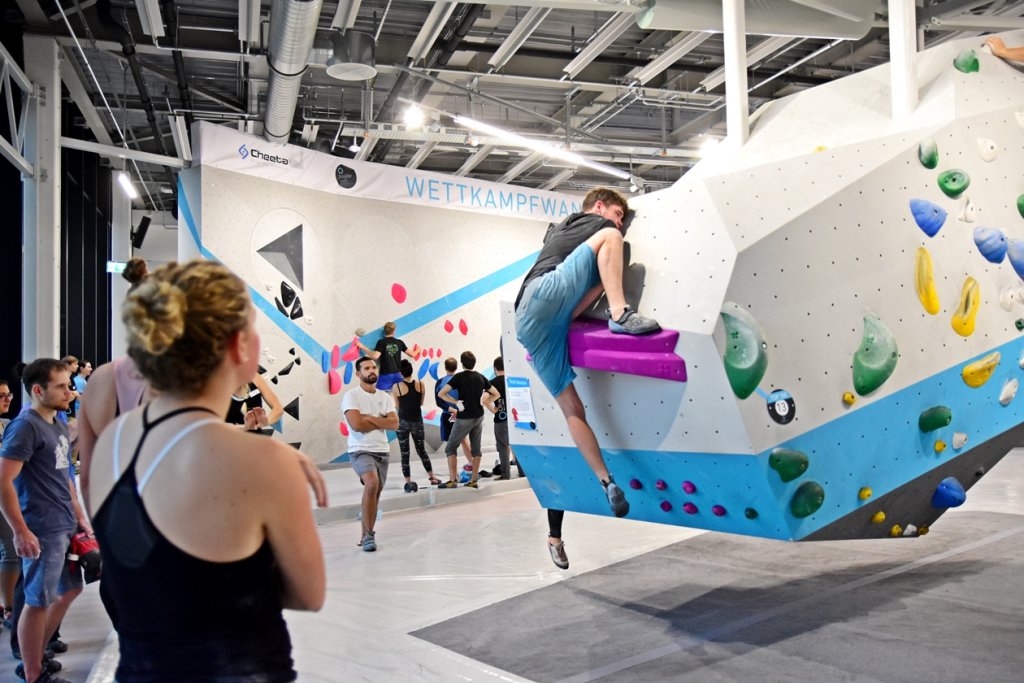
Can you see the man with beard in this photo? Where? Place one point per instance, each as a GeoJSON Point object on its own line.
{"type": "Point", "coordinates": [41, 508]}
{"type": "Point", "coordinates": [369, 412]}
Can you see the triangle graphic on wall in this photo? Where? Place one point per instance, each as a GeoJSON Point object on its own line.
{"type": "Point", "coordinates": [293, 408]}
{"type": "Point", "coordinates": [285, 254]}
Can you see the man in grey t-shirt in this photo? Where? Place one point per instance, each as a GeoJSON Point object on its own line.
{"type": "Point", "coordinates": [38, 500]}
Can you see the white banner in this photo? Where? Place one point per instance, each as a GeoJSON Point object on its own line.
{"type": "Point", "coordinates": [228, 149]}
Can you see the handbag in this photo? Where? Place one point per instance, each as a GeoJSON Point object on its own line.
{"type": "Point", "coordinates": [84, 552]}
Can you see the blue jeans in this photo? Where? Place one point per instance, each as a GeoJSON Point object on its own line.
{"type": "Point", "coordinates": [47, 576]}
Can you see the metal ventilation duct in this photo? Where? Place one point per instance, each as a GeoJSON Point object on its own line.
{"type": "Point", "coordinates": [292, 29]}
{"type": "Point", "coordinates": [849, 19]}
{"type": "Point", "coordinates": [353, 58]}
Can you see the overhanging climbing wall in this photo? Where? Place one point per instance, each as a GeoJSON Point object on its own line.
{"type": "Point", "coordinates": [329, 246]}
{"type": "Point", "coordinates": [848, 297]}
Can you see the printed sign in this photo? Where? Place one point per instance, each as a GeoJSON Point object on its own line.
{"type": "Point", "coordinates": [520, 402]}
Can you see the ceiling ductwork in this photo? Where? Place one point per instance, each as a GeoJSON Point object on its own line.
{"type": "Point", "coordinates": [292, 30]}
{"type": "Point", "coordinates": [353, 56]}
{"type": "Point", "coordinates": [849, 19]}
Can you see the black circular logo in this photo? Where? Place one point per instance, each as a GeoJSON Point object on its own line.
{"type": "Point", "coordinates": [781, 406]}
{"type": "Point", "coordinates": [345, 176]}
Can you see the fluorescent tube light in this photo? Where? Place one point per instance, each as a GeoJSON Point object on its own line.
{"type": "Point", "coordinates": [126, 184]}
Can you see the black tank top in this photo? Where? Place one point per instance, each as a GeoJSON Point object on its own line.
{"type": "Point", "coordinates": [240, 406]}
{"type": "Point", "coordinates": [180, 618]}
{"type": "Point", "coordinates": [410, 402]}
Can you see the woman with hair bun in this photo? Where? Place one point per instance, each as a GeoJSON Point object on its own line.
{"type": "Point", "coordinates": [135, 271]}
{"type": "Point", "coordinates": [206, 531]}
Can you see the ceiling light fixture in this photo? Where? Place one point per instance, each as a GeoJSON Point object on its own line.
{"type": "Point", "coordinates": [126, 185]}
{"type": "Point", "coordinates": [538, 146]}
{"type": "Point", "coordinates": [354, 147]}
{"type": "Point", "coordinates": [413, 116]}
{"type": "Point", "coordinates": [708, 146]}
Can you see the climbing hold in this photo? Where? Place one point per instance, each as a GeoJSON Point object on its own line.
{"type": "Point", "coordinates": [934, 418]}
{"type": "Point", "coordinates": [987, 149]}
{"type": "Point", "coordinates": [959, 440]}
{"type": "Point", "coordinates": [1019, 324]}
{"type": "Point", "coordinates": [463, 327]}
{"type": "Point", "coordinates": [864, 493]}
{"type": "Point", "coordinates": [789, 463]}
{"type": "Point", "coordinates": [398, 293]}
{"type": "Point", "coordinates": [348, 372]}
{"type": "Point", "coordinates": [875, 359]}
{"type": "Point", "coordinates": [343, 428]}
{"type": "Point", "coordinates": [939, 446]}
{"type": "Point", "coordinates": [689, 487]}
{"type": "Point", "coordinates": [750, 513]}
{"type": "Point", "coordinates": [424, 367]}
{"type": "Point", "coordinates": [335, 356]}
{"type": "Point", "coordinates": [807, 499]}
{"type": "Point", "coordinates": [689, 508]}
{"type": "Point", "coordinates": [928, 153]}
{"type": "Point", "coordinates": [896, 531]}
{"type": "Point", "coordinates": [660, 485]}
{"type": "Point", "coordinates": [325, 360]}
{"type": "Point", "coordinates": [1020, 205]}
{"type": "Point", "coordinates": [991, 243]}
{"type": "Point", "coordinates": [967, 311]}
{"type": "Point", "coordinates": [820, 148]}
{"type": "Point", "coordinates": [924, 281]}
{"type": "Point", "coordinates": [980, 371]}
{"type": "Point", "coordinates": [966, 213]}
{"type": "Point", "coordinates": [745, 357]}
{"type": "Point", "coordinates": [333, 382]}
{"type": "Point", "coordinates": [878, 517]}
{"type": "Point", "coordinates": [353, 351]}
{"type": "Point", "coordinates": [848, 398]}
{"type": "Point", "coordinates": [666, 506]}
{"type": "Point", "coordinates": [433, 371]}
{"type": "Point", "coordinates": [635, 484]}
{"type": "Point", "coordinates": [448, 327]}
{"type": "Point", "coordinates": [1008, 392]}
{"type": "Point", "coordinates": [921, 531]}
{"type": "Point", "coordinates": [953, 182]}
{"type": "Point", "coordinates": [1007, 298]}
{"type": "Point", "coordinates": [980, 471]}
{"type": "Point", "coordinates": [929, 216]}
{"type": "Point", "coordinates": [966, 61]}
{"type": "Point", "coordinates": [949, 494]}
{"type": "Point", "coordinates": [718, 510]}
{"type": "Point", "coordinates": [1015, 250]}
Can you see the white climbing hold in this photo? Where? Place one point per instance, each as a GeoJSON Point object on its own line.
{"type": "Point", "coordinates": [966, 213]}
{"type": "Point", "coordinates": [1007, 298]}
{"type": "Point", "coordinates": [1020, 118]}
{"type": "Point", "coordinates": [910, 530]}
{"type": "Point", "coordinates": [988, 149]}
{"type": "Point", "coordinates": [959, 440]}
{"type": "Point", "coordinates": [1008, 392]}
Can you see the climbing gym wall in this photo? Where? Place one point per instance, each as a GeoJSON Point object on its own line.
{"type": "Point", "coordinates": [842, 308]}
{"type": "Point", "coordinates": [331, 246]}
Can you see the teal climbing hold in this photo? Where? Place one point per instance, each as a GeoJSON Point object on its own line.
{"type": "Point", "coordinates": [807, 499]}
{"type": "Point", "coordinates": [789, 463]}
{"type": "Point", "coordinates": [745, 357]}
{"type": "Point", "coordinates": [875, 359]}
{"type": "Point", "coordinates": [934, 418]}
{"type": "Point", "coordinates": [929, 216]}
{"type": "Point", "coordinates": [953, 182]}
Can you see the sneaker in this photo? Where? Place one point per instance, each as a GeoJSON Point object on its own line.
{"type": "Point", "coordinates": [472, 484]}
{"type": "Point", "coordinates": [46, 677]}
{"type": "Point", "coordinates": [57, 645]}
{"type": "Point", "coordinates": [369, 542]}
{"type": "Point", "coordinates": [50, 666]}
{"type": "Point", "coordinates": [485, 474]}
{"type": "Point", "coordinates": [448, 485]}
{"type": "Point", "coordinates": [411, 487]}
{"type": "Point", "coordinates": [616, 498]}
{"type": "Point", "coordinates": [558, 555]}
{"type": "Point", "coordinates": [631, 322]}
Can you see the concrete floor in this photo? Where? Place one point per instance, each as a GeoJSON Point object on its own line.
{"type": "Point", "coordinates": [644, 602]}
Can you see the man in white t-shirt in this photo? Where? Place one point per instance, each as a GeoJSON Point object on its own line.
{"type": "Point", "coordinates": [368, 413]}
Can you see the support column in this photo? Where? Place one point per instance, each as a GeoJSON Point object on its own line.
{"type": "Point", "coordinates": [734, 33]}
{"type": "Point", "coordinates": [41, 238]}
{"type": "Point", "coordinates": [903, 57]}
{"type": "Point", "coordinates": [120, 250]}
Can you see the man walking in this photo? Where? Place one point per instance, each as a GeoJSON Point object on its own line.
{"type": "Point", "coordinates": [581, 255]}
{"type": "Point", "coordinates": [39, 502]}
{"type": "Point", "coordinates": [369, 412]}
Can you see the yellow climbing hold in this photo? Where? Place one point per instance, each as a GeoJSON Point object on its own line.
{"type": "Point", "coordinates": [924, 280]}
{"type": "Point", "coordinates": [967, 311]}
{"type": "Point", "coordinates": [980, 371]}
{"type": "Point", "coordinates": [940, 446]}
{"type": "Point", "coordinates": [864, 493]}
{"type": "Point", "coordinates": [820, 148]}
{"type": "Point", "coordinates": [922, 530]}
{"type": "Point", "coordinates": [896, 531]}
{"type": "Point", "coordinates": [848, 398]}
{"type": "Point", "coordinates": [878, 517]}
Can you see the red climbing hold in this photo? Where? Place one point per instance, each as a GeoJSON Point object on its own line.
{"type": "Point", "coordinates": [343, 427]}
{"type": "Point", "coordinates": [448, 327]}
{"type": "Point", "coordinates": [335, 356]}
{"type": "Point", "coordinates": [398, 293]}
{"type": "Point", "coordinates": [463, 327]}
{"type": "Point", "coordinates": [333, 382]}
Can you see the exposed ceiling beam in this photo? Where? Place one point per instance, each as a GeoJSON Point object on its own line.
{"type": "Point", "coordinates": [524, 28]}
{"type": "Point", "coordinates": [115, 152]}
{"type": "Point", "coordinates": [421, 154]}
{"type": "Point", "coordinates": [608, 34]}
{"type": "Point", "coordinates": [558, 178]}
{"type": "Point", "coordinates": [971, 22]}
{"type": "Point", "coordinates": [528, 162]}
{"type": "Point", "coordinates": [474, 160]}
{"type": "Point", "coordinates": [73, 81]}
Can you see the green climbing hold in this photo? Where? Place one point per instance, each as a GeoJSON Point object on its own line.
{"type": "Point", "coordinates": [934, 418]}
{"type": "Point", "coordinates": [745, 357]}
{"type": "Point", "coordinates": [928, 153]}
{"type": "Point", "coordinates": [807, 499]}
{"type": "Point", "coordinates": [1019, 322]}
{"type": "Point", "coordinates": [750, 513]}
{"type": "Point", "coordinates": [788, 463]}
{"type": "Point", "coordinates": [953, 182]}
{"type": "Point", "coordinates": [966, 61]}
{"type": "Point", "coordinates": [875, 360]}
{"type": "Point", "coordinates": [1020, 205]}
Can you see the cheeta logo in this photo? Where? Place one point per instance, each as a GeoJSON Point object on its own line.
{"type": "Point", "coordinates": [245, 153]}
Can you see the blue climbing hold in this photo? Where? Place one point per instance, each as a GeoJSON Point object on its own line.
{"type": "Point", "coordinates": [424, 366]}
{"type": "Point", "coordinates": [433, 370]}
{"type": "Point", "coordinates": [991, 243]}
{"type": "Point", "coordinates": [928, 215]}
{"type": "Point", "coordinates": [949, 494]}
{"type": "Point", "coordinates": [1015, 251]}
{"type": "Point", "coordinates": [325, 361]}
{"type": "Point", "coordinates": [348, 372]}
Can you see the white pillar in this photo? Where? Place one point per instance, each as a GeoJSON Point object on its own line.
{"type": "Point", "coordinates": [903, 57]}
{"type": "Point", "coordinates": [120, 250]}
{"type": "Point", "coordinates": [40, 336]}
{"type": "Point", "coordinates": [734, 33]}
